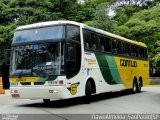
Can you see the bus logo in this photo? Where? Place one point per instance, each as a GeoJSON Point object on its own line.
{"type": "Point", "coordinates": [73, 88]}
{"type": "Point", "coordinates": [128, 63]}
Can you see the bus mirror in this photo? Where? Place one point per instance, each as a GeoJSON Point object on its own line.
{"type": "Point", "coordinates": [7, 53]}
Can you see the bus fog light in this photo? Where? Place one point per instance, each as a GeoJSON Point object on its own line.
{"type": "Point", "coordinates": [55, 91]}
{"type": "Point", "coordinates": [14, 91]}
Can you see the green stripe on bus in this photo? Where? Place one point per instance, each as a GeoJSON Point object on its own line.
{"type": "Point", "coordinates": [108, 69]}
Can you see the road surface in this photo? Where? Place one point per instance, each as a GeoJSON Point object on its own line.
{"type": "Point", "coordinates": [146, 102]}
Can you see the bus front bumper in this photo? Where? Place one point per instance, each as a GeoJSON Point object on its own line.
{"type": "Point", "coordinates": [40, 92]}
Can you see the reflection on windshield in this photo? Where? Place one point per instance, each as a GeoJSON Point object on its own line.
{"type": "Point", "coordinates": [46, 33]}
{"type": "Point", "coordinates": [38, 59]}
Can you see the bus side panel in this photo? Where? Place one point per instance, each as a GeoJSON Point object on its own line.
{"type": "Point", "coordinates": [130, 68]}
{"type": "Point", "coordinates": [108, 72]}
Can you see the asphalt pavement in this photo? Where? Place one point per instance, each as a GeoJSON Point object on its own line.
{"type": "Point", "coordinates": [146, 102]}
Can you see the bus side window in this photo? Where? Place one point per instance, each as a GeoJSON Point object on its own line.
{"type": "Point", "coordinates": [119, 47]}
{"type": "Point", "coordinates": [133, 52]}
{"type": "Point", "coordinates": [86, 45]}
{"type": "Point", "coordinates": [128, 49]}
{"type": "Point", "coordinates": [108, 44]}
{"type": "Point", "coordinates": [140, 52]}
{"type": "Point", "coordinates": [87, 39]}
{"type": "Point", "coordinates": [114, 46]}
{"type": "Point", "coordinates": [102, 43]}
{"type": "Point", "coordinates": [137, 51]}
{"type": "Point", "coordinates": [73, 33]}
{"type": "Point", "coordinates": [124, 48]}
{"type": "Point", "coordinates": [94, 41]}
{"type": "Point", "coordinates": [145, 54]}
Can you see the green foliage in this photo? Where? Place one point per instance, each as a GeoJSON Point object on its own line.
{"type": "Point", "coordinates": [135, 20]}
{"type": "Point", "coordinates": [144, 26]}
{"type": "Point", "coordinates": [21, 12]}
{"type": "Point", "coordinates": [102, 20]}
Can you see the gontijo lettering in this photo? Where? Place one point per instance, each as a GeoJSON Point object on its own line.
{"type": "Point", "coordinates": [128, 63]}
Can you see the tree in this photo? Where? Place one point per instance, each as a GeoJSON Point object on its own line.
{"type": "Point", "coordinates": [102, 20]}
{"type": "Point", "coordinates": [21, 12]}
{"type": "Point", "coordinates": [144, 26]}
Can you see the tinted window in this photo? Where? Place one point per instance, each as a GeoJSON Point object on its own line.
{"type": "Point", "coordinates": [124, 48]}
{"type": "Point", "coordinates": [45, 33]}
{"type": "Point", "coordinates": [137, 51]}
{"type": "Point", "coordinates": [128, 49]}
{"type": "Point", "coordinates": [133, 51]}
{"type": "Point", "coordinates": [114, 46]}
{"type": "Point", "coordinates": [119, 47]}
{"type": "Point", "coordinates": [90, 40]}
{"type": "Point", "coordinates": [73, 32]}
{"type": "Point", "coordinates": [145, 54]}
{"type": "Point", "coordinates": [102, 42]}
{"type": "Point", "coordinates": [87, 39]}
{"type": "Point", "coordinates": [94, 42]}
{"type": "Point", "coordinates": [141, 52]}
{"type": "Point", "coordinates": [108, 44]}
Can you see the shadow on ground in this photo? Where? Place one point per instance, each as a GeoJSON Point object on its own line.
{"type": "Point", "coordinates": [79, 100]}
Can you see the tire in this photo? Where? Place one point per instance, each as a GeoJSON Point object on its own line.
{"type": "Point", "coordinates": [88, 92]}
{"type": "Point", "coordinates": [139, 87]}
{"type": "Point", "coordinates": [46, 101]}
{"type": "Point", "coordinates": [134, 89]}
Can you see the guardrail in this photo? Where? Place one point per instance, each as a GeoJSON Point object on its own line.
{"type": "Point", "coordinates": [155, 80]}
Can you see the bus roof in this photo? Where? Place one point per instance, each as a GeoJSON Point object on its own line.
{"type": "Point", "coordinates": [50, 23]}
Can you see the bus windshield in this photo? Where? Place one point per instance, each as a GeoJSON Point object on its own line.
{"type": "Point", "coordinates": [38, 59]}
{"type": "Point", "coordinates": [36, 34]}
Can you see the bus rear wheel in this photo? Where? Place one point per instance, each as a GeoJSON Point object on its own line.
{"type": "Point", "coordinates": [88, 92]}
{"type": "Point", "coordinates": [136, 86]}
{"type": "Point", "coordinates": [139, 87]}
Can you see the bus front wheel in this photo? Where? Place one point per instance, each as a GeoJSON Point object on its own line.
{"type": "Point", "coordinates": [88, 92]}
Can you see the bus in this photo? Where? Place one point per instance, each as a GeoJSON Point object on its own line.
{"type": "Point", "coordinates": [66, 59]}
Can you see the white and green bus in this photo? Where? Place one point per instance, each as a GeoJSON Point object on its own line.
{"type": "Point", "coordinates": [66, 59]}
